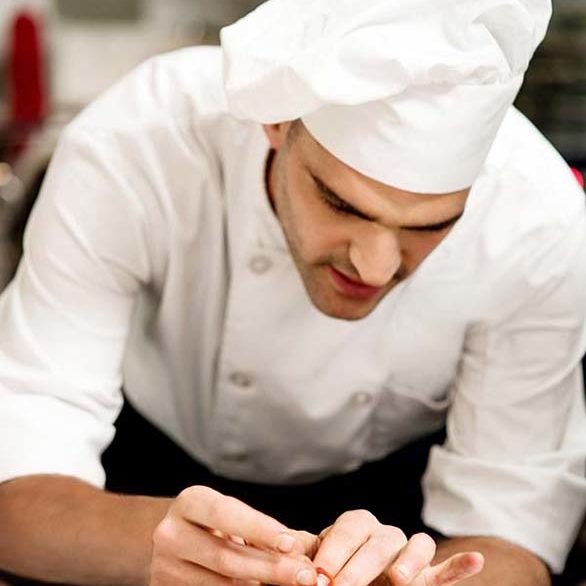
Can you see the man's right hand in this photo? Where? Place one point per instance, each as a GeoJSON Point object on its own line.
{"type": "Point", "coordinates": [212, 539]}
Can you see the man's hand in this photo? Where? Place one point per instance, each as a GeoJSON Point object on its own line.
{"type": "Point", "coordinates": [208, 538]}
{"type": "Point", "coordinates": [357, 550]}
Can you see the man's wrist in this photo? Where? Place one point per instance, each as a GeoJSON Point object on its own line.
{"type": "Point", "coordinates": [80, 534]}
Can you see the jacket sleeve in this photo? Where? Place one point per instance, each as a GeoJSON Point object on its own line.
{"type": "Point", "coordinates": [65, 317]}
{"type": "Point", "coordinates": [513, 465]}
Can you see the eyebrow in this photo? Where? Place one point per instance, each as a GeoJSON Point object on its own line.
{"type": "Point", "coordinates": [344, 206]}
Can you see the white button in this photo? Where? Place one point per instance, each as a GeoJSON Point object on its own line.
{"type": "Point", "coordinates": [352, 465]}
{"type": "Point", "coordinates": [260, 264]}
{"type": "Point", "coordinates": [242, 379]}
{"type": "Point", "coordinates": [234, 452]}
{"type": "Point", "coordinates": [362, 399]}
{"type": "Point", "coordinates": [237, 458]}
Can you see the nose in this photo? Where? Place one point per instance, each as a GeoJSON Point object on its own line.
{"type": "Point", "coordinates": [375, 254]}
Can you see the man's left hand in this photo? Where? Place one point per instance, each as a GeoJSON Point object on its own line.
{"type": "Point", "coordinates": [357, 550]}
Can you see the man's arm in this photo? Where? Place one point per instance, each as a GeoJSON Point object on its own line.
{"type": "Point", "coordinates": [513, 462]}
{"type": "Point", "coordinates": [504, 563]}
{"type": "Point", "coordinates": [59, 529]}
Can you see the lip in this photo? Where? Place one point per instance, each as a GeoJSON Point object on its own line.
{"type": "Point", "coordinates": [351, 288]}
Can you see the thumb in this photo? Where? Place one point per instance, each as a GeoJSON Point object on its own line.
{"type": "Point", "coordinates": [452, 571]}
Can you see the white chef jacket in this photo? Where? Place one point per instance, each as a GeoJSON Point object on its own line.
{"type": "Point", "coordinates": [153, 260]}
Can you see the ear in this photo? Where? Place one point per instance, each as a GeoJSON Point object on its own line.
{"type": "Point", "coordinates": [277, 134]}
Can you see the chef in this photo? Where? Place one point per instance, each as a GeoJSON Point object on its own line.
{"type": "Point", "coordinates": [298, 256]}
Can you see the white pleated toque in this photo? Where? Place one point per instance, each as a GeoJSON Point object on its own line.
{"type": "Point", "coordinates": [408, 92]}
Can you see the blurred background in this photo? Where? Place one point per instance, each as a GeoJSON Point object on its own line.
{"type": "Point", "coordinates": [57, 55]}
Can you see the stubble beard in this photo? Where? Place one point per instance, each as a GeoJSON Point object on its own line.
{"type": "Point", "coordinates": [314, 275]}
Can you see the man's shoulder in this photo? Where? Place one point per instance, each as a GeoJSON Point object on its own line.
{"type": "Point", "coordinates": [152, 140]}
{"type": "Point", "coordinates": [526, 219]}
{"type": "Point", "coordinates": [527, 190]}
{"type": "Point", "coordinates": [181, 88]}
{"type": "Point", "coordinates": [159, 128]}
{"type": "Point", "coordinates": [532, 173]}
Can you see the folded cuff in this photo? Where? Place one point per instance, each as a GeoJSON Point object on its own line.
{"type": "Point", "coordinates": [45, 435]}
{"type": "Point", "coordinates": [536, 507]}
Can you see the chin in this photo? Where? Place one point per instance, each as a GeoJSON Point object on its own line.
{"type": "Point", "coordinates": [331, 303]}
{"type": "Point", "coordinates": [344, 309]}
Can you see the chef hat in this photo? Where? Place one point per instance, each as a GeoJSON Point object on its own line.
{"type": "Point", "coordinates": [408, 92]}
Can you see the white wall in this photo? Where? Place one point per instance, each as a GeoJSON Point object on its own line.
{"type": "Point", "coordinates": [88, 58]}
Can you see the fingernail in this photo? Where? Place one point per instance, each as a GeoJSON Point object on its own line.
{"type": "Point", "coordinates": [306, 577]}
{"type": "Point", "coordinates": [285, 543]}
{"type": "Point", "coordinates": [322, 580]}
{"type": "Point", "coordinates": [403, 571]}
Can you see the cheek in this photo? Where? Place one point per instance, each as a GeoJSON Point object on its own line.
{"type": "Point", "coordinates": [316, 231]}
{"type": "Point", "coordinates": [322, 237]}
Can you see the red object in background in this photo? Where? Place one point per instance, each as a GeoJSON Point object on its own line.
{"type": "Point", "coordinates": [579, 176]}
{"type": "Point", "coordinates": [25, 70]}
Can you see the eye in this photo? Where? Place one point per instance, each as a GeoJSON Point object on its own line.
{"type": "Point", "coordinates": [436, 228]}
{"type": "Point", "coordinates": [341, 207]}
{"type": "Point", "coordinates": [334, 205]}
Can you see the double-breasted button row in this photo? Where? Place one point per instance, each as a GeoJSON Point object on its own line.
{"type": "Point", "coordinates": [241, 379]}
{"type": "Point", "coordinates": [260, 264]}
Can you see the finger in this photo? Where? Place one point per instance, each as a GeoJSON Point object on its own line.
{"type": "Point", "coordinates": [324, 532]}
{"type": "Point", "coordinates": [312, 552]}
{"type": "Point", "coordinates": [413, 559]}
{"type": "Point", "coordinates": [304, 536]}
{"type": "Point", "coordinates": [237, 540]}
{"type": "Point", "coordinates": [452, 571]}
{"type": "Point", "coordinates": [308, 541]}
{"type": "Point", "coordinates": [206, 507]}
{"type": "Point", "coordinates": [221, 556]}
{"type": "Point", "coordinates": [233, 538]}
{"type": "Point", "coordinates": [324, 577]}
{"type": "Point", "coordinates": [373, 558]}
{"type": "Point", "coordinates": [345, 537]}
{"type": "Point", "coordinates": [173, 572]}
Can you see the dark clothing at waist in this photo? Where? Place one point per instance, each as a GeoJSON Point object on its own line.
{"type": "Point", "coordinates": [143, 460]}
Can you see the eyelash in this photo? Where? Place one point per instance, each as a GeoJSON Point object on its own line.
{"type": "Point", "coordinates": [339, 209]}
{"type": "Point", "coordinates": [438, 228]}
{"type": "Point", "coordinates": [342, 210]}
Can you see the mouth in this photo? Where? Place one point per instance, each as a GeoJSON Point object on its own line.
{"type": "Point", "coordinates": [351, 288]}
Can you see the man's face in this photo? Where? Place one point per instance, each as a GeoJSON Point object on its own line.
{"type": "Point", "coordinates": [352, 238]}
